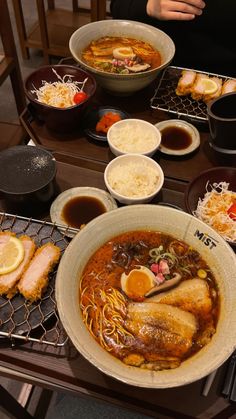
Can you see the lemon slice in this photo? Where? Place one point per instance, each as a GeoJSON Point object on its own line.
{"type": "Point", "coordinates": [209, 86]}
{"type": "Point", "coordinates": [11, 255]}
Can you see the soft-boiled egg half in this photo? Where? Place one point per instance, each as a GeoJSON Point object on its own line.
{"type": "Point", "coordinates": [138, 282]}
{"type": "Point", "coordinates": [123, 53]}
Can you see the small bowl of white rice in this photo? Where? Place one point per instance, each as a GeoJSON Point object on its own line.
{"type": "Point", "coordinates": [134, 136]}
{"type": "Point", "coordinates": [133, 178]}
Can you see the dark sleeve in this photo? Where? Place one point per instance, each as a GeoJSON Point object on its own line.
{"type": "Point", "coordinates": [129, 9]}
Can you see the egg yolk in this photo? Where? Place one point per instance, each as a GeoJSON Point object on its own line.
{"type": "Point", "coordinates": [138, 283]}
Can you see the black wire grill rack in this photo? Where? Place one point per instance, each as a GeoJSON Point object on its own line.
{"type": "Point", "coordinates": [38, 321]}
{"type": "Point", "coordinates": [165, 98]}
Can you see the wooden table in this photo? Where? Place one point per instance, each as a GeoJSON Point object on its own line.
{"type": "Point", "coordinates": [81, 162]}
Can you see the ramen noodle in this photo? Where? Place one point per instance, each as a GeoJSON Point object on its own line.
{"type": "Point", "coordinates": [121, 55]}
{"type": "Point", "coordinates": [149, 299]}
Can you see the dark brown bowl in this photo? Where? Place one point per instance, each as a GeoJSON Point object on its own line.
{"type": "Point", "coordinates": [27, 179]}
{"type": "Point", "coordinates": [197, 187]}
{"type": "Point", "coordinates": [58, 119]}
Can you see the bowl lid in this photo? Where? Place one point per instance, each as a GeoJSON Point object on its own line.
{"type": "Point", "coordinates": [25, 169]}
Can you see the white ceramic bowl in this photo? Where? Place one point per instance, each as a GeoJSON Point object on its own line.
{"type": "Point", "coordinates": [133, 136]}
{"type": "Point", "coordinates": [56, 210]}
{"type": "Point", "coordinates": [183, 226]}
{"type": "Point", "coordinates": [133, 178]}
{"type": "Point", "coordinates": [118, 83]}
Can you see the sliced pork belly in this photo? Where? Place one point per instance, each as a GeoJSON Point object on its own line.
{"type": "Point", "coordinates": [191, 295]}
{"type": "Point", "coordinates": [8, 282]}
{"type": "Point", "coordinates": [35, 279]}
{"type": "Point", "coordinates": [165, 330]}
{"type": "Point", "coordinates": [186, 82]}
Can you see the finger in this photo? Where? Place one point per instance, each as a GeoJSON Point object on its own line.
{"type": "Point", "coordinates": [200, 4]}
{"type": "Point", "coordinates": [178, 10]}
{"type": "Point", "coordinates": [177, 16]}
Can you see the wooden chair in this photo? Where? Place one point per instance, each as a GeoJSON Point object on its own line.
{"type": "Point", "coordinates": [9, 66]}
{"type": "Point", "coordinates": [11, 406]}
{"type": "Point", "coordinates": [54, 27]}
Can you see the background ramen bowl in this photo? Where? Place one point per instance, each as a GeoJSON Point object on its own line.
{"type": "Point", "coordinates": [184, 227]}
{"type": "Point", "coordinates": [117, 83]}
{"type": "Point", "coordinates": [197, 187]}
{"type": "Point", "coordinates": [58, 119]}
{"type": "Point", "coordinates": [143, 163]}
{"type": "Point", "coordinates": [139, 126]}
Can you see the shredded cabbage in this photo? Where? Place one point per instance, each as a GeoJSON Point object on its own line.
{"type": "Point", "coordinates": [59, 94]}
{"type": "Point", "coordinates": [212, 209]}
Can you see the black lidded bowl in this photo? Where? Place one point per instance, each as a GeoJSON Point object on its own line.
{"type": "Point", "coordinates": [27, 180]}
{"type": "Point", "coordinates": [59, 119]}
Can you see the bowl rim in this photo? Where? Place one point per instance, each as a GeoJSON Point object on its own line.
{"type": "Point", "coordinates": [127, 156]}
{"type": "Point", "coordinates": [138, 121]}
{"type": "Point", "coordinates": [31, 97]}
{"type": "Point", "coordinates": [124, 22]}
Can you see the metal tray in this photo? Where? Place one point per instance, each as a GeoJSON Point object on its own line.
{"type": "Point", "coordinates": [165, 98]}
{"type": "Point", "coordinates": [39, 321]}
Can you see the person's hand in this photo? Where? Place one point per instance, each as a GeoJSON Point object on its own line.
{"type": "Point", "coordinates": [175, 9]}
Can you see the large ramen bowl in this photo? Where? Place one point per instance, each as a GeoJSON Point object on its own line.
{"type": "Point", "coordinates": [127, 83]}
{"type": "Point", "coordinates": [216, 252]}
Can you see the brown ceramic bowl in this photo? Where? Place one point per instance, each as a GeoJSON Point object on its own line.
{"type": "Point", "coordinates": [197, 187]}
{"type": "Point", "coordinates": [27, 179]}
{"type": "Point", "coordinates": [59, 119]}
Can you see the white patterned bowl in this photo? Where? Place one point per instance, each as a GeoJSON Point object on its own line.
{"type": "Point", "coordinates": [220, 258]}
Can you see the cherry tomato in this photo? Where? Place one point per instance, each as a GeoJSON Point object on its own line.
{"type": "Point", "coordinates": [80, 97]}
{"type": "Point", "coordinates": [232, 211]}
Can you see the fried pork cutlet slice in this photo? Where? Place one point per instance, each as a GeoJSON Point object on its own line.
{"type": "Point", "coordinates": [186, 82]}
{"type": "Point", "coordinates": [198, 88]}
{"type": "Point", "coordinates": [229, 86]}
{"type": "Point", "coordinates": [8, 282]}
{"type": "Point", "coordinates": [35, 279]}
{"type": "Point", "coordinates": [5, 237]}
{"type": "Point", "coordinates": [212, 96]}
{"type": "Point", "coordinates": [192, 295]}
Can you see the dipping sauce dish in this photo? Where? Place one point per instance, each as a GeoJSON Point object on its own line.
{"type": "Point", "coordinates": [75, 207]}
{"type": "Point", "coordinates": [178, 137]}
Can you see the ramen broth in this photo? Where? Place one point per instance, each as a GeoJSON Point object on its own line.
{"type": "Point", "coordinates": [121, 55]}
{"type": "Point", "coordinates": [155, 331]}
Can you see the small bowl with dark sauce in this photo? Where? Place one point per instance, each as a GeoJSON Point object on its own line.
{"type": "Point", "coordinates": [178, 137]}
{"type": "Point", "coordinates": [75, 207]}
